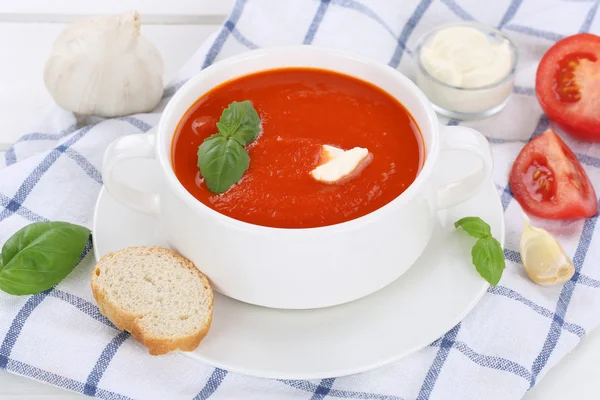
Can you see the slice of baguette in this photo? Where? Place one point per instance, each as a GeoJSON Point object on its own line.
{"type": "Point", "coordinates": [157, 295]}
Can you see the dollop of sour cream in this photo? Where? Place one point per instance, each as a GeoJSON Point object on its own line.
{"type": "Point", "coordinates": [338, 165]}
{"type": "Point", "coordinates": [465, 57]}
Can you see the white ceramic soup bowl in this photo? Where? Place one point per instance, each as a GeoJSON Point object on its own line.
{"type": "Point", "coordinates": [307, 267]}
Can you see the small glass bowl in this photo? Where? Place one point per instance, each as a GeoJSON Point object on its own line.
{"type": "Point", "coordinates": [466, 103]}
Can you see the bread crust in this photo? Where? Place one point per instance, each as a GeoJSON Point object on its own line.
{"type": "Point", "coordinates": [126, 321]}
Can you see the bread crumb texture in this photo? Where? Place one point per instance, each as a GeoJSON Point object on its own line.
{"type": "Point", "coordinates": [157, 295]}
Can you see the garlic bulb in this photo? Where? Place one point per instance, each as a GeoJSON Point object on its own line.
{"type": "Point", "coordinates": [543, 258]}
{"type": "Point", "coordinates": [103, 66]}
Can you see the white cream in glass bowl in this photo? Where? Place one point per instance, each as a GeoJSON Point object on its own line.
{"type": "Point", "coordinates": [466, 69]}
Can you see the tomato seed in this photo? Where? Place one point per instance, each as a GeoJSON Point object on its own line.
{"type": "Point", "coordinates": [542, 182]}
{"type": "Point", "coordinates": [536, 175]}
{"type": "Point", "coordinates": [547, 186]}
{"type": "Point", "coordinates": [576, 184]}
{"type": "Point", "coordinates": [566, 87]}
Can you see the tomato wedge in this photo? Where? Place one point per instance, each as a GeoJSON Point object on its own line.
{"type": "Point", "coordinates": [567, 85]}
{"type": "Point", "coordinates": [549, 182]}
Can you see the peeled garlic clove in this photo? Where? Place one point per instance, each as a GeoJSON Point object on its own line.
{"type": "Point", "coordinates": [543, 258]}
{"type": "Point", "coordinates": [103, 66]}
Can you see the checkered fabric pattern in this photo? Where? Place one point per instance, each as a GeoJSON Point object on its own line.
{"type": "Point", "coordinates": [506, 344]}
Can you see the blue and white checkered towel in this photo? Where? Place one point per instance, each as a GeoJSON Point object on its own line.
{"type": "Point", "coordinates": [507, 344]}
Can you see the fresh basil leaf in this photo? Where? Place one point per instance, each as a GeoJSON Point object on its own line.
{"type": "Point", "coordinates": [222, 158]}
{"type": "Point", "coordinates": [474, 226]}
{"type": "Point", "coordinates": [40, 255]}
{"type": "Point", "coordinates": [240, 121]}
{"type": "Point", "coordinates": [488, 259]}
{"type": "Point", "coordinates": [222, 162]}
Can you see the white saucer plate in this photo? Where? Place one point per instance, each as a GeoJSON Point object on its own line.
{"type": "Point", "coordinates": [436, 293]}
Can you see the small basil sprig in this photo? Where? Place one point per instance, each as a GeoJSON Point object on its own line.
{"type": "Point", "coordinates": [40, 255]}
{"type": "Point", "coordinates": [487, 253]}
{"type": "Point", "coordinates": [222, 158]}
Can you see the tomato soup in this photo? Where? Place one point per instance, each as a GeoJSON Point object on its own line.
{"type": "Point", "coordinates": [302, 109]}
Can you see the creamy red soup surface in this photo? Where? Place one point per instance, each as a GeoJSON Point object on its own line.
{"type": "Point", "coordinates": [302, 109]}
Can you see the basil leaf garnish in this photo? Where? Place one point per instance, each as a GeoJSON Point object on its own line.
{"type": "Point", "coordinates": [222, 162]}
{"type": "Point", "coordinates": [488, 259]}
{"type": "Point", "coordinates": [40, 255]}
{"type": "Point", "coordinates": [222, 158]}
{"type": "Point", "coordinates": [474, 226]}
{"type": "Point", "coordinates": [487, 253]}
{"type": "Point", "coordinates": [240, 121]}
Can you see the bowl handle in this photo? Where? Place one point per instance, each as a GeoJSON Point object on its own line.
{"type": "Point", "coordinates": [125, 148]}
{"type": "Point", "coordinates": [465, 139]}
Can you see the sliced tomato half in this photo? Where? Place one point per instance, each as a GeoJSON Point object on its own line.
{"type": "Point", "coordinates": [549, 182]}
{"type": "Point", "coordinates": [567, 85]}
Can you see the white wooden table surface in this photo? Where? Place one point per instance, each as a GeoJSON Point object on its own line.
{"type": "Point", "coordinates": [176, 27]}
